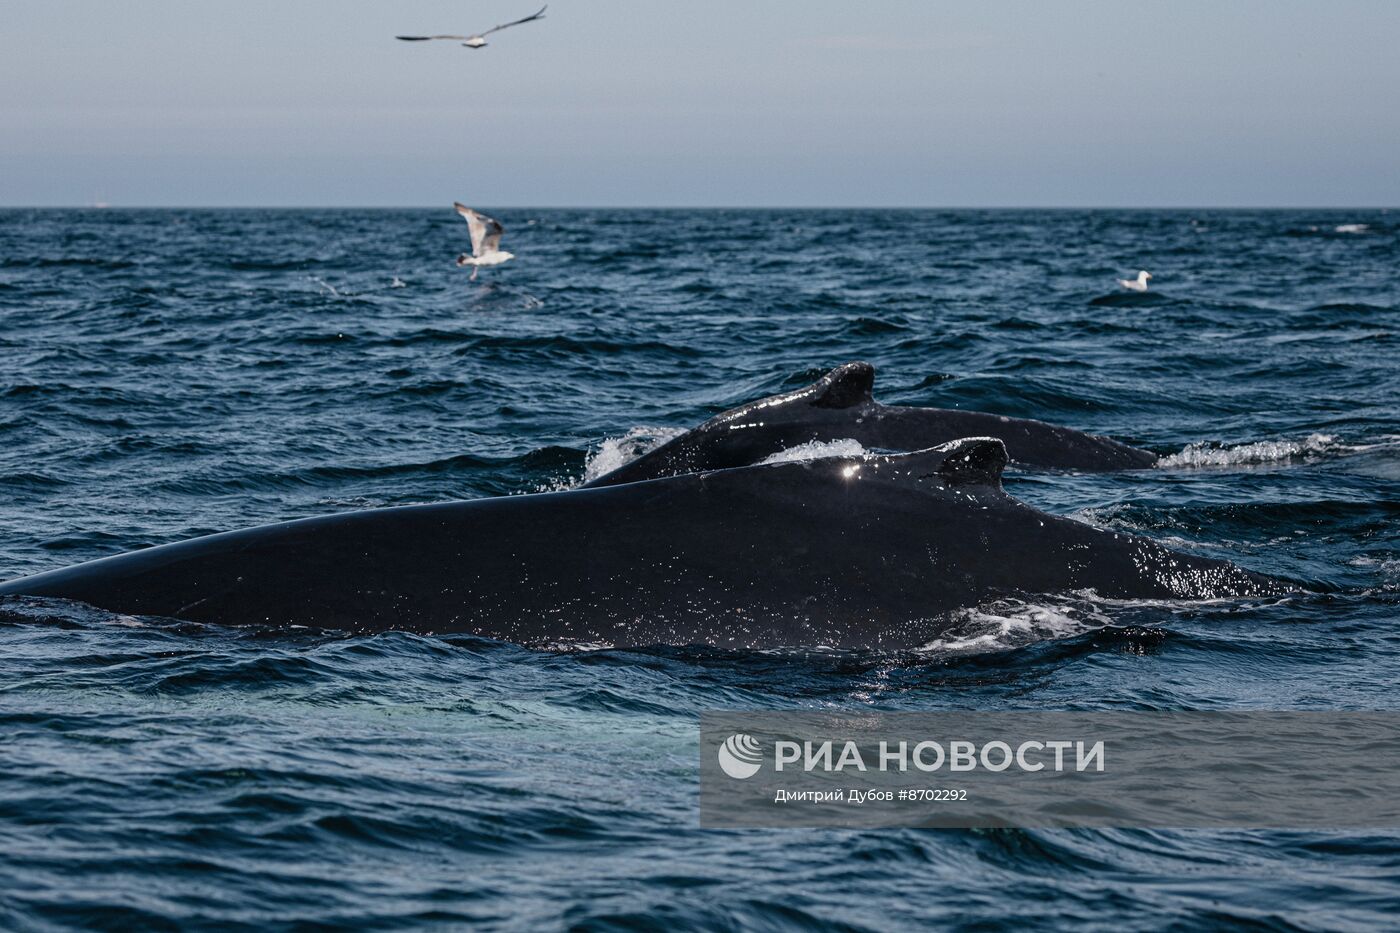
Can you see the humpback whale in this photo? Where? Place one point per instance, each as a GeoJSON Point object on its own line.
{"type": "Point", "coordinates": [840, 405]}
{"type": "Point", "coordinates": [854, 552]}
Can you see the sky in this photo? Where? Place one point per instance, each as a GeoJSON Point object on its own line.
{"type": "Point", "coordinates": [902, 103]}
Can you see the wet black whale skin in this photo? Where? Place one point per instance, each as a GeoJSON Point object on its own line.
{"type": "Point", "coordinates": [841, 405]}
{"type": "Point", "coordinates": [843, 552]}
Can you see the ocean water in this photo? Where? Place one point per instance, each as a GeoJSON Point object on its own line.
{"type": "Point", "coordinates": [170, 373]}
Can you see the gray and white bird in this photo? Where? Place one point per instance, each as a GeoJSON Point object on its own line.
{"type": "Point", "coordinates": [486, 240]}
{"type": "Point", "coordinates": [477, 40]}
{"type": "Point", "coordinates": [1138, 284]}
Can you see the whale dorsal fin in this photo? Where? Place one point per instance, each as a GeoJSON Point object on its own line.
{"type": "Point", "coordinates": [974, 461]}
{"type": "Point", "coordinates": [845, 386]}
{"type": "Point", "coordinates": [968, 461]}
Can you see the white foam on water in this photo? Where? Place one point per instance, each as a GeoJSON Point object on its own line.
{"type": "Point", "coordinates": [1013, 623]}
{"type": "Point", "coordinates": [1009, 623]}
{"type": "Point", "coordinates": [327, 287]}
{"type": "Point", "coordinates": [1104, 518]}
{"type": "Point", "coordinates": [615, 452]}
{"type": "Point", "coordinates": [1352, 228]}
{"type": "Point", "coordinates": [574, 646]}
{"type": "Point", "coordinates": [1257, 452]}
{"type": "Point", "coordinates": [817, 450]}
{"type": "Point", "coordinates": [1390, 573]}
{"type": "Point", "coordinates": [1386, 569]}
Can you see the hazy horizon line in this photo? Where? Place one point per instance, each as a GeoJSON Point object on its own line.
{"type": "Point", "coordinates": [1383, 208]}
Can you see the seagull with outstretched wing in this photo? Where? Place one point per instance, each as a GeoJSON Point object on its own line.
{"type": "Point", "coordinates": [479, 39]}
{"type": "Point", "coordinates": [486, 240]}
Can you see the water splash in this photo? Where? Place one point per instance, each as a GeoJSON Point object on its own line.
{"type": "Point", "coordinates": [817, 450]}
{"type": "Point", "coordinates": [615, 452]}
{"type": "Point", "coordinates": [1209, 454]}
{"type": "Point", "coordinates": [1011, 623]}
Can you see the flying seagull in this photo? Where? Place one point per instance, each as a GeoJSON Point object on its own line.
{"type": "Point", "coordinates": [486, 240]}
{"type": "Point", "coordinates": [478, 40]}
{"type": "Point", "coordinates": [1138, 284]}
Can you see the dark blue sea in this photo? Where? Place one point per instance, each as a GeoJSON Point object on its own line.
{"type": "Point", "coordinates": [170, 373]}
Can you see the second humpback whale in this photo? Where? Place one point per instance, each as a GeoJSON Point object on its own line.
{"type": "Point", "coordinates": [846, 552]}
{"type": "Point", "coordinates": [840, 405]}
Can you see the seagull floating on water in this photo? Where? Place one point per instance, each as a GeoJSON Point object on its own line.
{"type": "Point", "coordinates": [486, 240]}
{"type": "Point", "coordinates": [1138, 284]}
{"type": "Point", "coordinates": [477, 40]}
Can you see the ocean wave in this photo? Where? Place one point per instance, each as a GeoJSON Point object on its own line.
{"type": "Point", "coordinates": [1359, 307]}
{"type": "Point", "coordinates": [1335, 230]}
{"type": "Point", "coordinates": [50, 262]}
{"type": "Point", "coordinates": [273, 265]}
{"type": "Point", "coordinates": [873, 326]}
{"type": "Point", "coordinates": [221, 482]}
{"type": "Point", "coordinates": [1385, 569]}
{"type": "Point", "coordinates": [1148, 299]}
{"type": "Point", "coordinates": [566, 346]}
